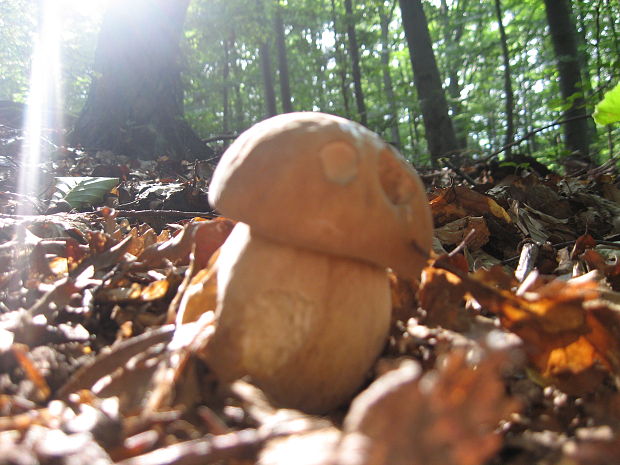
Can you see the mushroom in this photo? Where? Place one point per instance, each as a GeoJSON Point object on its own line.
{"type": "Point", "coordinates": [326, 183]}
{"type": "Point", "coordinates": [302, 295]}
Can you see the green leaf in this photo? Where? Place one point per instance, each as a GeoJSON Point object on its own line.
{"type": "Point", "coordinates": [81, 191]}
{"type": "Point", "coordinates": [608, 110]}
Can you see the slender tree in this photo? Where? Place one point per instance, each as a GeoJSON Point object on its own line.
{"type": "Point", "coordinates": [236, 78]}
{"type": "Point", "coordinates": [453, 26]}
{"type": "Point", "coordinates": [225, 87]}
{"type": "Point", "coordinates": [135, 101]}
{"type": "Point", "coordinates": [355, 64]}
{"type": "Point", "coordinates": [341, 62]}
{"type": "Point", "coordinates": [440, 135]}
{"type": "Point", "coordinates": [564, 38]}
{"type": "Point", "coordinates": [509, 105]}
{"type": "Point", "coordinates": [384, 20]}
{"type": "Point", "coordinates": [264, 51]}
{"type": "Point", "coordinates": [285, 87]}
{"type": "Point", "coordinates": [268, 85]}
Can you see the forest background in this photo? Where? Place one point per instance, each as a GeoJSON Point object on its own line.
{"type": "Point", "coordinates": [505, 68]}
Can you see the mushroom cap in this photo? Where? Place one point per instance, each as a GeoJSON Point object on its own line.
{"type": "Point", "coordinates": [328, 184]}
{"type": "Point", "coordinates": [305, 326]}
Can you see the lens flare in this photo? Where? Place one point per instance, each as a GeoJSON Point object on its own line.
{"type": "Point", "coordinates": [44, 101]}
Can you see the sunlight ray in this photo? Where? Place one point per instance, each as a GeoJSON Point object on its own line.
{"type": "Point", "coordinates": [44, 99]}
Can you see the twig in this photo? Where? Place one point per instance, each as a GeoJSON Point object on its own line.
{"type": "Point", "coordinates": [530, 134]}
{"type": "Point", "coordinates": [458, 171]}
{"type": "Point", "coordinates": [164, 214]}
{"type": "Point", "coordinates": [220, 137]}
{"type": "Point", "coordinates": [107, 362]}
{"type": "Point", "coordinates": [466, 240]}
{"type": "Point", "coordinates": [239, 445]}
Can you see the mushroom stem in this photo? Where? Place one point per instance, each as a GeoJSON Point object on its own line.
{"type": "Point", "coordinates": [305, 326]}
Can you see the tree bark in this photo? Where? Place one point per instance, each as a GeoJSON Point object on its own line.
{"type": "Point", "coordinates": [384, 20]}
{"type": "Point", "coordinates": [509, 102]}
{"type": "Point", "coordinates": [225, 87]}
{"type": "Point", "coordinates": [355, 64]}
{"type": "Point", "coordinates": [268, 85]}
{"type": "Point", "coordinates": [341, 63]}
{"type": "Point", "coordinates": [564, 38]}
{"type": "Point", "coordinates": [285, 86]}
{"type": "Point", "coordinates": [264, 52]}
{"type": "Point", "coordinates": [135, 101]}
{"type": "Point", "coordinates": [452, 35]}
{"type": "Point", "coordinates": [580, 11]}
{"type": "Point", "coordinates": [440, 135]}
{"type": "Point", "coordinates": [237, 78]}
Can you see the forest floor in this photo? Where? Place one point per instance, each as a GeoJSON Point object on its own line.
{"type": "Point", "coordinates": [506, 353]}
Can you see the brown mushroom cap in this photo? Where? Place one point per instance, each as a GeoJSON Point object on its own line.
{"type": "Point", "coordinates": [326, 183]}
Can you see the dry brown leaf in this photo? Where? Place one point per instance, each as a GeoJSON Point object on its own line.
{"type": "Point", "coordinates": [199, 296]}
{"type": "Point", "coordinates": [564, 338]}
{"type": "Point", "coordinates": [155, 290]}
{"type": "Point", "coordinates": [457, 202]}
{"type": "Point", "coordinates": [454, 232]}
{"type": "Point", "coordinates": [442, 296]}
{"type": "Point", "coordinates": [203, 237]}
{"type": "Point", "coordinates": [582, 243]}
{"type": "Point", "coordinates": [446, 417]}
{"type": "Point", "coordinates": [611, 271]}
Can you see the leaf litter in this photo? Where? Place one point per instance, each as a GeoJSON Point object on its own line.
{"type": "Point", "coordinates": [506, 351]}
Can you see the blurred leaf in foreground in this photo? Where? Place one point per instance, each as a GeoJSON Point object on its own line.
{"type": "Point", "coordinates": [607, 111]}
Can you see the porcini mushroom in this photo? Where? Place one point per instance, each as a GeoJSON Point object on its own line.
{"type": "Point", "coordinates": [326, 183]}
{"type": "Point", "coordinates": [303, 301]}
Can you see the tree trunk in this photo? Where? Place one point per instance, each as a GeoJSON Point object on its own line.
{"type": "Point", "coordinates": [355, 64]}
{"type": "Point", "coordinates": [384, 20]}
{"type": "Point", "coordinates": [264, 52]}
{"type": "Point", "coordinates": [452, 35]}
{"type": "Point", "coordinates": [584, 64]}
{"type": "Point", "coordinates": [341, 63]}
{"type": "Point", "coordinates": [135, 101]}
{"type": "Point", "coordinates": [564, 39]}
{"type": "Point", "coordinates": [320, 90]}
{"type": "Point", "coordinates": [510, 128]}
{"type": "Point", "coordinates": [268, 85]}
{"type": "Point", "coordinates": [225, 87]}
{"type": "Point", "coordinates": [440, 135]}
{"type": "Point", "coordinates": [285, 87]}
{"type": "Point", "coordinates": [237, 74]}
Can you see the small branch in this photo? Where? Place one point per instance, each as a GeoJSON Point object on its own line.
{"type": "Point", "coordinates": [532, 133]}
{"type": "Point", "coordinates": [220, 137]}
{"type": "Point", "coordinates": [106, 362]}
{"type": "Point", "coordinates": [164, 214]}
{"type": "Point", "coordinates": [240, 445]}
{"type": "Point", "coordinates": [458, 171]}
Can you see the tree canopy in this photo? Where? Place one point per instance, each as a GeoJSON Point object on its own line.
{"type": "Point", "coordinates": [230, 48]}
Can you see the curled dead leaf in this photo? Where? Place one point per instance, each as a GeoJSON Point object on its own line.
{"type": "Point", "coordinates": [454, 232]}
{"type": "Point", "coordinates": [565, 339]}
{"type": "Point", "coordinates": [457, 202]}
{"type": "Point", "coordinates": [446, 417]}
{"type": "Point", "coordinates": [204, 237]}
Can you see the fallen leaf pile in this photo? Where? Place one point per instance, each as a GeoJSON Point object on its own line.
{"type": "Point", "coordinates": [505, 352]}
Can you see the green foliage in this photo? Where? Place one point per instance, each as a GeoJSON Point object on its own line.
{"type": "Point", "coordinates": [82, 191]}
{"type": "Point", "coordinates": [16, 39]}
{"type": "Point", "coordinates": [608, 110]}
{"type": "Point", "coordinates": [18, 30]}
{"type": "Point", "coordinates": [224, 86]}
